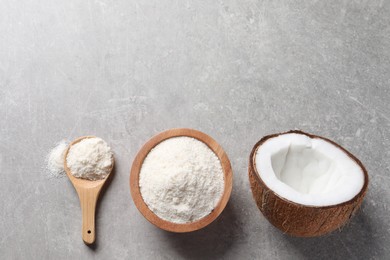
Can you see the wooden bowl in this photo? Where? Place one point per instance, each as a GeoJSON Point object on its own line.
{"type": "Point", "coordinates": [134, 180]}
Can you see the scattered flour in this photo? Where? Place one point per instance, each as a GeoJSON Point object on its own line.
{"type": "Point", "coordinates": [55, 160]}
{"type": "Point", "coordinates": [181, 180]}
{"type": "Point", "coordinates": [91, 159]}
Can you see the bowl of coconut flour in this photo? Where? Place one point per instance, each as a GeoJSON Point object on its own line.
{"type": "Point", "coordinates": [181, 180]}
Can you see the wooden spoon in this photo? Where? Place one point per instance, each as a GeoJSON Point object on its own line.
{"type": "Point", "coordinates": [136, 168]}
{"type": "Point", "coordinates": [88, 192]}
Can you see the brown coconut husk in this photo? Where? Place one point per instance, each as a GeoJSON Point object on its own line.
{"type": "Point", "coordinates": [298, 219]}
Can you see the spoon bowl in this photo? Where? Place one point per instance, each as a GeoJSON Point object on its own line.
{"type": "Point", "coordinates": [88, 192]}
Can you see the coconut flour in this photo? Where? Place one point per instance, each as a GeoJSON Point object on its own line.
{"type": "Point", "coordinates": [181, 180]}
{"type": "Point", "coordinates": [91, 159]}
{"type": "Point", "coordinates": [55, 160]}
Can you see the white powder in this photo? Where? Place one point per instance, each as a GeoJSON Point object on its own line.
{"type": "Point", "coordinates": [55, 160]}
{"type": "Point", "coordinates": [181, 180]}
{"type": "Point", "coordinates": [91, 159]}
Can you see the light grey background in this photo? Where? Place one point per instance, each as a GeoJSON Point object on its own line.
{"type": "Point", "coordinates": [237, 70]}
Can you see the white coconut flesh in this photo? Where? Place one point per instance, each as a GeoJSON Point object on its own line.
{"type": "Point", "coordinates": [308, 171]}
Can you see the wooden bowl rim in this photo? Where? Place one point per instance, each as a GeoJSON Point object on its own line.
{"type": "Point", "coordinates": [136, 167]}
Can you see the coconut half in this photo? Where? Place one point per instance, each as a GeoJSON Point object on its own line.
{"type": "Point", "coordinates": [306, 185]}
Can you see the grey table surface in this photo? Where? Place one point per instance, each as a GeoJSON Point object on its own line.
{"type": "Point", "coordinates": [237, 70]}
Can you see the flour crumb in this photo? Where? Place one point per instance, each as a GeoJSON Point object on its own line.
{"type": "Point", "coordinates": [55, 160]}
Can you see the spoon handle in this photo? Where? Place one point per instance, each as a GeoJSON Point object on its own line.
{"type": "Point", "coordinates": [88, 198]}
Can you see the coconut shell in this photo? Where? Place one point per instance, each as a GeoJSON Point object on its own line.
{"type": "Point", "coordinates": [298, 219]}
